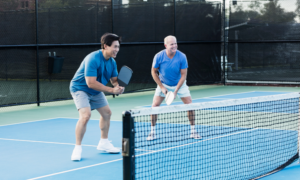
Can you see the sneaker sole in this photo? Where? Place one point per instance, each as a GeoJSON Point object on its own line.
{"type": "Point", "coordinates": [106, 151]}
{"type": "Point", "coordinates": [75, 159]}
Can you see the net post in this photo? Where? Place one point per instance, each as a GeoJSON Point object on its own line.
{"type": "Point", "coordinates": [128, 146]}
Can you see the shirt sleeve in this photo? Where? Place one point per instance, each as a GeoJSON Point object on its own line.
{"type": "Point", "coordinates": [184, 62]}
{"type": "Point", "coordinates": [115, 69]}
{"type": "Point", "coordinates": [155, 63]}
{"type": "Point", "coordinates": [90, 69]}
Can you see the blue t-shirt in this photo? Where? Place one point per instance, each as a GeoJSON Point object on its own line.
{"type": "Point", "coordinates": [93, 65]}
{"type": "Point", "coordinates": [169, 69]}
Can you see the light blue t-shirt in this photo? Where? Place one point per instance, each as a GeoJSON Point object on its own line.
{"type": "Point", "coordinates": [169, 69]}
{"type": "Point", "coordinates": [93, 65]}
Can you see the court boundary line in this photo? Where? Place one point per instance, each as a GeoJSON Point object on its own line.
{"type": "Point", "coordinates": [62, 172]}
{"type": "Point", "coordinates": [206, 97]}
{"type": "Point", "coordinates": [47, 120]}
{"type": "Point", "coordinates": [215, 97]}
{"type": "Point", "coordinates": [21, 140]}
{"type": "Point", "coordinates": [29, 122]}
{"type": "Point", "coordinates": [155, 151]}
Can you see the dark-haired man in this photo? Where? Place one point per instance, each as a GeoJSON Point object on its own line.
{"type": "Point", "coordinates": [171, 64]}
{"type": "Point", "coordinates": [87, 87]}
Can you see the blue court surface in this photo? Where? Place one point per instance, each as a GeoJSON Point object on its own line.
{"type": "Point", "coordinates": [42, 149]}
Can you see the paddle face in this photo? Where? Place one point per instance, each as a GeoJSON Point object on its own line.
{"type": "Point", "coordinates": [169, 97]}
{"type": "Point", "coordinates": [124, 76]}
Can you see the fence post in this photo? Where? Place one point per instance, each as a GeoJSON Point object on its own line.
{"type": "Point", "coordinates": [37, 53]}
{"type": "Point", "coordinates": [174, 1]}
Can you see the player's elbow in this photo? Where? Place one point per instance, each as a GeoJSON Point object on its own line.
{"type": "Point", "coordinates": [90, 84]}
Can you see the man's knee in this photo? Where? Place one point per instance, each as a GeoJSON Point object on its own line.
{"type": "Point", "coordinates": [155, 104]}
{"type": "Point", "coordinates": [157, 100]}
{"type": "Point", "coordinates": [187, 100]}
{"type": "Point", "coordinates": [84, 115]}
{"type": "Point", "coordinates": [107, 113]}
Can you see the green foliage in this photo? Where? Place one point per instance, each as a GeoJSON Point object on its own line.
{"type": "Point", "coordinates": [273, 13]}
{"type": "Point", "coordinates": [298, 8]}
{"type": "Point", "coordinates": [270, 12]}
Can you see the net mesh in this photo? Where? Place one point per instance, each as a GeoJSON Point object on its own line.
{"type": "Point", "coordinates": [241, 139]}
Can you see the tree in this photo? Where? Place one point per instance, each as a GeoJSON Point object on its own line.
{"type": "Point", "coordinates": [298, 8]}
{"type": "Point", "coordinates": [270, 12]}
{"type": "Point", "coordinates": [273, 13]}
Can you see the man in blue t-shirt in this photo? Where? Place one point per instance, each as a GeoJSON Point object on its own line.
{"type": "Point", "coordinates": [172, 67]}
{"type": "Point", "coordinates": [87, 87]}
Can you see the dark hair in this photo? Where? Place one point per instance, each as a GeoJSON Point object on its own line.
{"type": "Point", "coordinates": [109, 38]}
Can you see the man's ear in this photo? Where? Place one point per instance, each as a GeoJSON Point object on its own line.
{"type": "Point", "coordinates": [104, 46]}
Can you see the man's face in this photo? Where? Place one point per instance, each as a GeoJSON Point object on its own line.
{"type": "Point", "coordinates": [171, 45]}
{"type": "Point", "coordinates": [112, 50]}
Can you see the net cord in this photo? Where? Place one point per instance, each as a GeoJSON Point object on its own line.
{"type": "Point", "coordinates": [214, 104]}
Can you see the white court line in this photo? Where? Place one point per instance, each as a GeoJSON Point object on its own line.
{"type": "Point", "coordinates": [49, 119]}
{"type": "Point", "coordinates": [228, 94]}
{"type": "Point", "coordinates": [213, 98]}
{"type": "Point", "coordinates": [75, 169]}
{"type": "Point", "coordinates": [29, 121]}
{"type": "Point", "coordinates": [44, 142]}
{"type": "Point", "coordinates": [195, 142]}
{"type": "Point", "coordinates": [90, 119]}
{"type": "Point", "coordinates": [142, 150]}
{"type": "Point", "coordinates": [6, 139]}
{"type": "Point", "coordinates": [203, 98]}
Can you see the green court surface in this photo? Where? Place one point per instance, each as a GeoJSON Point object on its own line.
{"type": "Point", "coordinates": [25, 113]}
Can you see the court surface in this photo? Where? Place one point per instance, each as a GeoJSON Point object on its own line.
{"type": "Point", "coordinates": [37, 142]}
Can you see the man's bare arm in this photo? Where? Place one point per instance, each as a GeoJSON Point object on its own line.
{"type": "Point", "coordinates": [114, 81]}
{"type": "Point", "coordinates": [183, 73]}
{"type": "Point", "coordinates": [154, 73]}
{"type": "Point", "coordinates": [94, 84]}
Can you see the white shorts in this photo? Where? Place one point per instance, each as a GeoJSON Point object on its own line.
{"type": "Point", "coordinates": [182, 92]}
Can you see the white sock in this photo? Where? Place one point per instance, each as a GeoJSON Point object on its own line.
{"type": "Point", "coordinates": [193, 129]}
{"type": "Point", "coordinates": [103, 140]}
{"type": "Point", "coordinates": [152, 129]}
{"type": "Point", "coordinates": [78, 146]}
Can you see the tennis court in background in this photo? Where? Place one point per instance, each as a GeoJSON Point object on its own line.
{"type": "Point", "coordinates": [41, 149]}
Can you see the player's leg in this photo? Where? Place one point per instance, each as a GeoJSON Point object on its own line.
{"type": "Point", "coordinates": [157, 100]}
{"type": "Point", "coordinates": [84, 116]}
{"type": "Point", "coordinates": [185, 96]}
{"type": "Point", "coordinates": [104, 122]}
{"type": "Point", "coordinates": [81, 100]}
{"type": "Point", "coordinates": [100, 103]}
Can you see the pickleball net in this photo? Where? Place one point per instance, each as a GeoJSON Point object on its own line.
{"type": "Point", "coordinates": [242, 139]}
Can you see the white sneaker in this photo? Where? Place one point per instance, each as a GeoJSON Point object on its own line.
{"type": "Point", "coordinates": [195, 135]}
{"type": "Point", "coordinates": [76, 155]}
{"type": "Point", "coordinates": [151, 136]}
{"type": "Point", "coordinates": [107, 147]}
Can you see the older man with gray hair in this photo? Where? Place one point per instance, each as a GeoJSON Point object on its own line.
{"type": "Point", "coordinates": [172, 67]}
